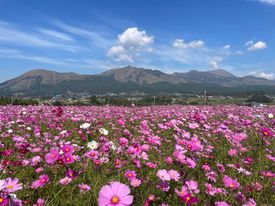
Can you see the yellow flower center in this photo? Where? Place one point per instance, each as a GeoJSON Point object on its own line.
{"type": "Point", "coordinates": [231, 185]}
{"type": "Point", "coordinates": [187, 199]}
{"type": "Point", "coordinates": [43, 180]}
{"type": "Point", "coordinates": [9, 186]}
{"type": "Point", "coordinates": [67, 149]}
{"type": "Point", "coordinates": [1, 199]}
{"type": "Point", "coordinates": [67, 159]}
{"type": "Point", "coordinates": [265, 133]}
{"type": "Point", "coordinates": [115, 199]}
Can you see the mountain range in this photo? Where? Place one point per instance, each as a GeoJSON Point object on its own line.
{"type": "Point", "coordinates": [45, 83]}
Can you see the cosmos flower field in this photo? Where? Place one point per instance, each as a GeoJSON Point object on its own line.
{"type": "Point", "coordinates": [117, 156]}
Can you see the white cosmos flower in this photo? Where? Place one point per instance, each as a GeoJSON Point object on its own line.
{"type": "Point", "coordinates": [85, 126]}
{"type": "Point", "coordinates": [103, 131]}
{"type": "Point", "coordinates": [63, 132]}
{"type": "Point", "coordinates": [113, 147]}
{"type": "Point", "coordinates": [92, 145]}
{"type": "Point", "coordinates": [270, 116]}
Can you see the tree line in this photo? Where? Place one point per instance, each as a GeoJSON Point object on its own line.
{"type": "Point", "coordinates": [17, 101]}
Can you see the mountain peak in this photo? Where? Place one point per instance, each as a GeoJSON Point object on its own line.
{"type": "Point", "coordinates": [140, 75]}
{"type": "Point", "coordinates": [221, 73]}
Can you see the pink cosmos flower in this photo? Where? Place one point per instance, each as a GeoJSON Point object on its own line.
{"type": "Point", "coordinates": [130, 174]}
{"type": "Point", "coordinates": [206, 167]}
{"type": "Point", "coordinates": [267, 132]}
{"type": "Point", "coordinates": [221, 167]}
{"type": "Point", "coordinates": [71, 173]}
{"type": "Point", "coordinates": [192, 186]}
{"type": "Point", "coordinates": [40, 202]}
{"type": "Point", "coordinates": [2, 184]}
{"type": "Point", "coordinates": [39, 169]}
{"type": "Point", "coordinates": [42, 180]}
{"type": "Point", "coordinates": [268, 174]}
{"type": "Point", "coordinates": [84, 188]}
{"type": "Point", "coordinates": [12, 185]}
{"type": "Point", "coordinates": [230, 183]}
{"type": "Point", "coordinates": [232, 152]}
{"type": "Point", "coordinates": [151, 165]}
{"type": "Point", "coordinates": [115, 194]}
{"type": "Point", "coordinates": [212, 191]}
{"type": "Point", "coordinates": [221, 204]}
{"type": "Point", "coordinates": [51, 157]}
{"type": "Point", "coordinates": [168, 160]}
{"type": "Point", "coordinates": [135, 182]}
{"type": "Point", "coordinates": [212, 176]}
{"type": "Point", "coordinates": [65, 181]}
{"type": "Point", "coordinates": [123, 141]}
{"type": "Point", "coordinates": [92, 154]}
{"type": "Point", "coordinates": [174, 175]}
{"type": "Point", "coordinates": [67, 148]}
{"type": "Point", "coordinates": [250, 202]}
{"type": "Point", "coordinates": [164, 186]}
{"type": "Point", "coordinates": [117, 163]}
{"type": "Point", "coordinates": [68, 158]}
{"type": "Point", "coordinates": [189, 199]}
{"type": "Point", "coordinates": [193, 125]}
{"type": "Point", "coordinates": [4, 201]}
{"type": "Point", "coordinates": [163, 175]}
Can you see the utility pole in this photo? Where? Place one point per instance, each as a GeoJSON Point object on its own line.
{"type": "Point", "coordinates": [154, 100]}
{"type": "Point", "coordinates": [205, 97]}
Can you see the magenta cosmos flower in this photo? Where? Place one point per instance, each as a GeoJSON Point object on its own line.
{"type": "Point", "coordinates": [67, 148]}
{"type": "Point", "coordinates": [230, 183]}
{"type": "Point", "coordinates": [52, 156]}
{"type": "Point", "coordinates": [115, 194]}
{"type": "Point", "coordinates": [42, 180]}
{"type": "Point", "coordinates": [267, 132]}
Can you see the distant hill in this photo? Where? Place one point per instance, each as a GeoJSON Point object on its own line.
{"type": "Point", "coordinates": [44, 83]}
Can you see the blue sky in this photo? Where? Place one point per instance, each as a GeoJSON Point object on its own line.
{"type": "Point", "coordinates": [170, 35]}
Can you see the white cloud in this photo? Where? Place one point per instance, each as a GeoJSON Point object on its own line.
{"type": "Point", "coordinates": [214, 62]}
{"type": "Point", "coordinates": [96, 38]}
{"type": "Point", "coordinates": [227, 46]}
{"type": "Point", "coordinates": [270, 2]}
{"type": "Point", "coordinates": [118, 53]}
{"type": "Point", "coordinates": [70, 63]}
{"type": "Point", "coordinates": [253, 46]}
{"type": "Point", "coordinates": [16, 54]}
{"type": "Point", "coordinates": [179, 43]}
{"type": "Point", "coordinates": [132, 38]}
{"type": "Point", "coordinates": [131, 43]}
{"type": "Point", "coordinates": [56, 34]}
{"type": "Point", "coordinates": [269, 76]}
{"type": "Point", "coordinates": [12, 34]}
